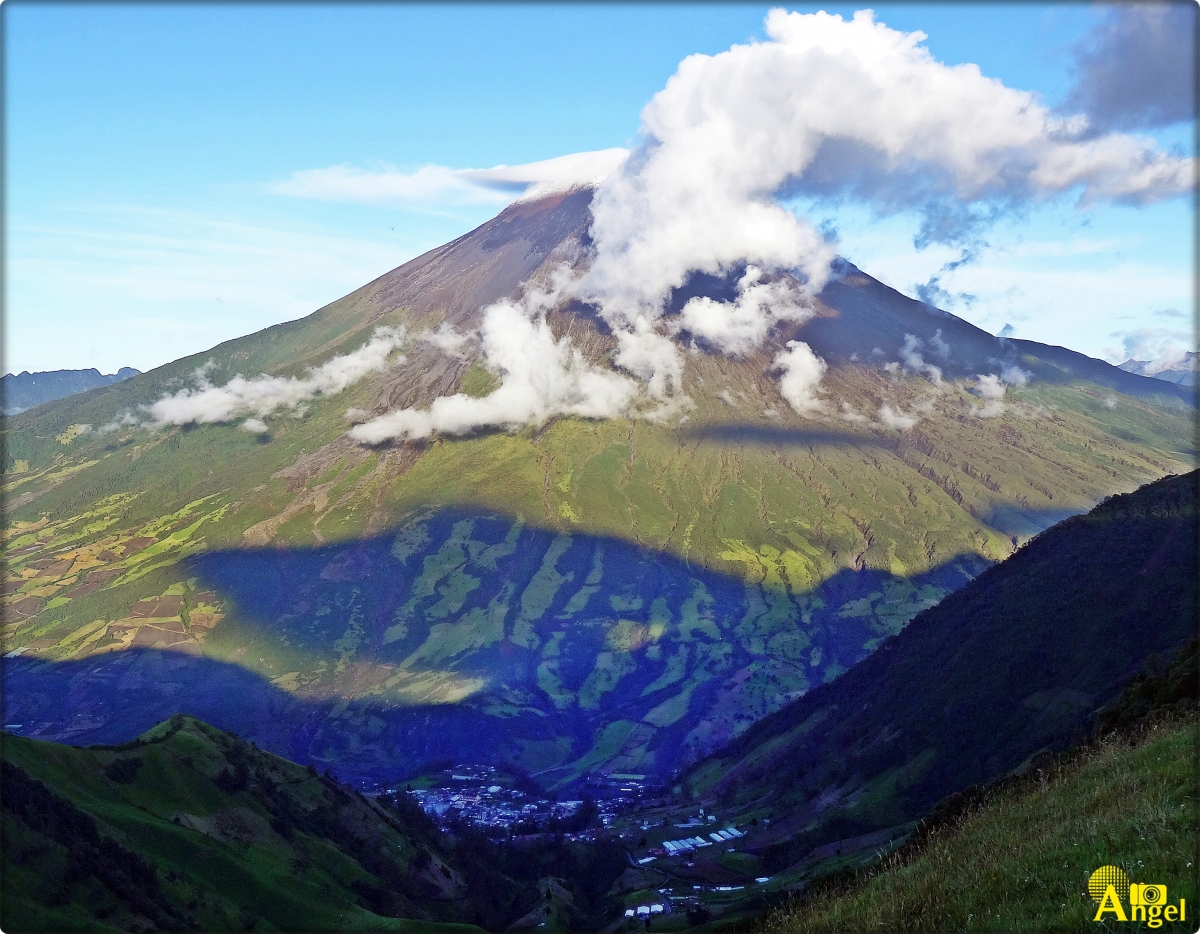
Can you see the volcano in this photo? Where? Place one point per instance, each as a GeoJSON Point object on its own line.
{"type": "Point", "coordinates": [579, 597]}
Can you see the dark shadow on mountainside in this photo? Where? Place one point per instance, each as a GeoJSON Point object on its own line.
{"type": "Point", "coordinates": [476, 636]}
{"type": "Point", "coordinates": [1017, 661]}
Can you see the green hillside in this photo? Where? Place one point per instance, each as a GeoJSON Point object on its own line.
{"type": "Point", "coordinates": [1018, 846]}
{"type": "Point", "coordinates": [605, 596]}
{"type": "Point", "coordinates": [191, 828]}
{"type": "Point", "coordinates": [1021, 860]}
{"type": "Point", "coordinates": [1017, 662]}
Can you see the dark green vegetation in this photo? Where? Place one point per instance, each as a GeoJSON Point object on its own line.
{"type": "Point", "coordinates": [1014, 854]}
{"type": "Point", "coordinates": [667, 583]}
{"type": "Point", "coordinates": [24, 390]}
{"type": "Point", "coordinates": [191, 828]}
{"type": "Point", "coordinates": [188, 828]}
{"type": "Point", "coordinates": [1014, 663]}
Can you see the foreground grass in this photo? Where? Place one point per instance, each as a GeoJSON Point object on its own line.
{"type": "Point", "coordinates": [1021, 862]}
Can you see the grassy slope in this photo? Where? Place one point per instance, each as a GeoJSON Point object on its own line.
{"type": "Point", "coordinates": [1021, 862]}
{"type": "Point", "coordinates": [287, 851]}
{"type": "Point", "coordinates": [772, 506]}
{"type": "Point", "coordinates": [1015, 661]}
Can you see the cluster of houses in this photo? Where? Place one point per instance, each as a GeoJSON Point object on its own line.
{"type": "Point", "coordinates": [645, 911]}
{"type": "Point", "coordinates": [474, 793]}
{"type": "Point", "coordinates": [490, 805]}
{"type": "Point", "coordinates": [689, 844]}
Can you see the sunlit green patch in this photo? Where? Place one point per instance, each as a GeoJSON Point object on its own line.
{"type": "Point", "coordinates": [540, 593]}
{"type": "Point", "coordinates": [475, 630]}
{"type": "Point", "coordinates": [610, 668]}
{"type": "Point", "coordinates": [672, 709]}
{"type": "Point", "coordinates": [674, 670]}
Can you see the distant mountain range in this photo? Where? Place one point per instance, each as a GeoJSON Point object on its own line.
{"type": "Point", "coordinates": [581, 596]}
{"type": "Point", "coordinates": [1183, 372]}
{"type": "Point", "coordinates": [26, 390]}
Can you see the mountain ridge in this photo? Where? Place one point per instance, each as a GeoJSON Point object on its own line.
{"type": "Point", "coordinates": [477, 274]}
{"type": "Point", "coordinates": [26, 390]}
{"type": "Point", "coordinates": [107, 521]}
{"type": "Point", "coordinates": [1012, 663]}
{"type": "Point", "coordinates": [1183, 372]}
{"type": "Point", "coordinates": [188, 827]}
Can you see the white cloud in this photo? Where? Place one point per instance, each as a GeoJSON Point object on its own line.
{"type": "Point", "coordinates": [802, 372]}
{"type": "Point", "coordinates": [851, 414]}
{"type": "Point", "coordinates": [914, 362]}
{"type": "Point", "coordinates": [895, 418]}
{"type": "Point", "coordinates": [991, 409]}
{"type": "Point", "coordinates": [1160, 348]}
{"type": "Point", "coordinates": [825, 108]}
{"type": "Point", "coordinates": [262, 396]}
{"type": "Point", "coordinates": [1013, 375]}
{"type": "Point", "coordinates": [541, 377]}
{"type": "Point", "coordinates": [992, 388]}
{"type": "Point", "coordinates": [437, 183]}
{"type": "Point", "coordinates": [740, 327]}
{"type": "Point", "coordinates": [651, 357]}
{"type": "Point", "coordinates": [834, 108]}
{"type": "Point", "coordinates": [674, 409]}
{"type": "Point", "coordinates": [939, 346]}
{"type": "Point", "coordinates": [989, 387]}
{"type": "Point", "coordinates": [449, 341]}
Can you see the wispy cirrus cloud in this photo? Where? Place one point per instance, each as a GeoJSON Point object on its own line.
{"type": "Point", "coordinates": [438, 184]}
{"type": "Point", "coordinates": [171, 282]}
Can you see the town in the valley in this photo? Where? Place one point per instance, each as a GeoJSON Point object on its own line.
{"type": "Point", "coordinates": [682, 862]}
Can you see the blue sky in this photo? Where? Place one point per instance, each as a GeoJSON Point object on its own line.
{"type": "Point", "coordinates": [146, 146]}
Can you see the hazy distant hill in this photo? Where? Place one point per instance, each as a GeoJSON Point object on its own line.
{"type": "Point", "coordinates": [1183, 373]}
{"type": "Point", "coordinates": [1016, 661]}
{"type": "Point", "coordinates": [25, 390]}
{"type": "Point", "coordinates": [586, 596]}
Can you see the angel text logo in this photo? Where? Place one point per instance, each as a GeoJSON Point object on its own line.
{"type": "Point", "coordinates": [1112, 891]}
